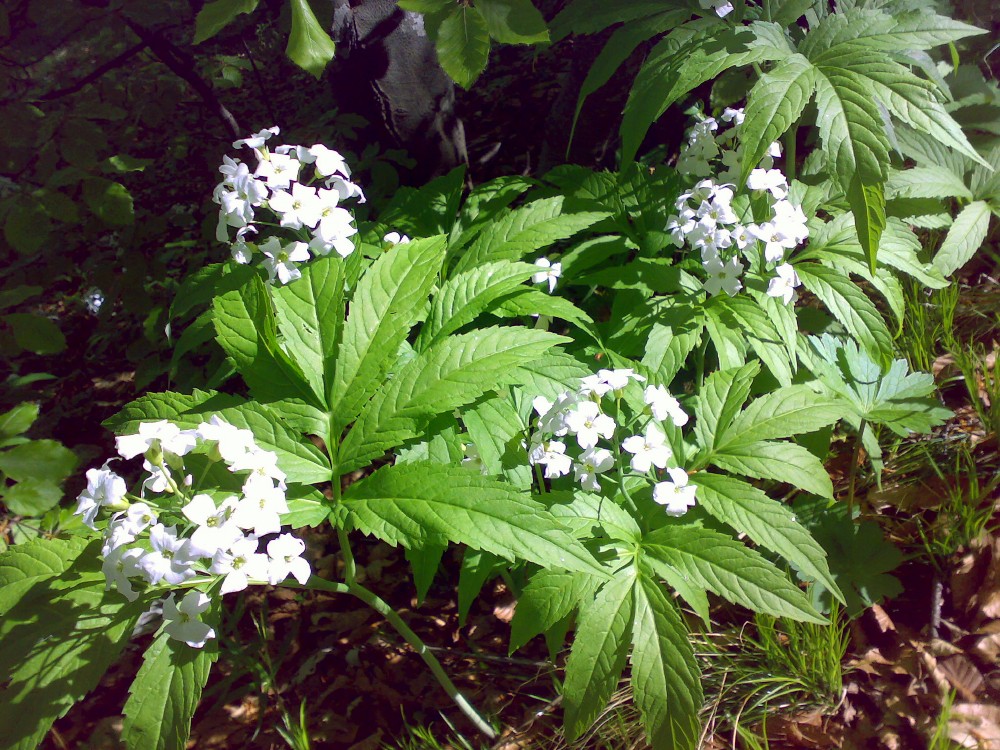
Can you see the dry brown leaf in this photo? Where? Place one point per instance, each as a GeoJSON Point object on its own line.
{"type": "Point", "coordinates": [975, 722]}
{"type": "Point", "coordinates": [882, 619]}
{"type": "Point", "coordinates": [963, 675]}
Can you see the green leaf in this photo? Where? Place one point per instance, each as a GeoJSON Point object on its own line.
{"type": "Point", "coordinates": [463, 44]}
{"type": "Point", "coordinates": [781, 461]}
{"type": "Point", "coordinates": [165, 694]}
{"type": "Point", "coordinates": [932, 181]}
{"type": "Point", "coordinates": [549, 597]}
{"type": "Point", "coordinates": [496, 429]}
{"type": "Point", "coordinates": [477, 568]}
{"type": "Point", "coordinates": [965, 237]}
{"type": "Point", "coordinates": [452, 373]}
{"type": "Point", "coordinates": [482, 205]}
{"type": "Point", "coordinates": [39, 459]}
{"type": "Point", "coordinates": [425, 562]}
{"type": "Point", "coordinates": [592, 16]}
{"type": "Point", "coordinates": [216, 15]}
{"type": "Point", "coordinates": [767, 522]}
{"type": "Point", "coordinates": [665, 681]}
{"type": "Point", "coordinates": [730, 569]}
{"type": "Point", "coordinates": [674, 335]}
{"type": "Point", "coordinates": [720, 400]}
{"type": "Point", "coordinates": [18, 420]}
{"type": "Point", "coordinates": [744, 316]}
{"type": "Point", "coordinates": [16, 295]}
{"type": "Point", "coordinates": [597, 657]}
{"type": "Point", "coordinates": [524, 230]}
{"type": "Point", "coordinates": [24, 565]}
{"type": "Point", "coordinates": [513, 21]}
{"type": "Point", "coordinates": [900, 248]}
{"type": "Point", "coordinates": [877, 30]}
{"type": "Point", "coordinates": [774, 105]}
{"type": "Point", "coordinates": [867, 203]}
{"type": "Point", "coordinates": [792, 410]}
{"type": "Point", "coordinates": [413, 504]}
{"type": "Point", "coordinates": [850, 306]}
{"type": "Point", "coordinates": [31, 497]}
{"type": "Point", "coordinates": [310, 313]}
{"type": "Point", "coordinates": [110, 202]}
{"type": "Point", "coordinates": [686, 58]}
{"type": "Point", "coordinates": [387, 301]}
{"type": "Point", "coordinates": [35, 333]}
{"type": "Point", "coordinates": [309, 46]}
{"type": "Point", "coordinates": [465, 295]}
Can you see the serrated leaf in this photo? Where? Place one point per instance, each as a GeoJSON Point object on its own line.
{"type": "Point", "coordinates": [524, 230]}
{"type": "Point", "coordinates": [24, 565]}
{"type": "Point", "coordinates": [310, 314]}
{"type": "Point", "coordinates": [477, 568]}
{"type": "Point", "coordinates": [720, 400]}
{"type": "Point", "coordinates": [966, 236]}
{"type": "Point", "coordinates": [465, 295]}
{"type": "Point", "coordinates": [899, 249]}
{"type": "Point", "coordinates": [877, 30]}
{"type": "Point", "coordinates": [216, 15]}
{"type": "Point", "coordinates": [424, 561]}
{"type": "Point", "coordinates": [485, 202]}
{"type": "Point", "coordinates": [496, 429]}
{"type": "Point", "coordinates": [665, 680]}
{"type": "Point", "coordinates": [413, 504]}
{"type": "Point", "coordinates": [597, 657]}
{"type": "Point", "coordinates": [463, 45]}
{"type": "Point", "coordinates": [850, 306]}
{"type": "Point", "coordinates": [787, 411]}
{"type": "Point", "coordinates": [165, 694]}
{"type": "Point", "coordinates": [926, 182]}
{"type": "Point", "coordinates": [549, 597]}
{"type": "Point", "coordinates": [775, 103]}
{"type": "Point", "coordinates": [674, 335]}
{"type": "Point", "coordinates": [453, 373]}
{"type": "Point", "coordinates": [767, 522]}
{"type": "Point", "coordinates": [867, 203]}
{"type": "Point", "coordinates": [783, 462]}
{"type": "Point", "coordinates": [744, 316]}
{"type": "Point", "coordinates": [309, 46]}
{"type": "Point", "coordinates": [387, 301]}
{"type": "Point", "coordinates": [513, 21]}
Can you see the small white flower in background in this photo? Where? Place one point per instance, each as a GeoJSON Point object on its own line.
{"type": "Point", "coordinates": [586, 421]}
{"type": "Point", "coordinates": [170, 559]}
{"type": "Point", "coordinates": [343, 245]}
{"type": "Point", "coordinates": [117, 534]}
{"type": "Point", "coordinates": [771, 180]}
{"type": "Point", "coordinates": [104, 487]}
{"type": "Point", "coordinates": [158, 479]}
{"type": "Point", "coordinates": [552, 455]}
{"type": "Point", "coordinates": [774, 239]}
{"type": "Point", "coordinates": [216, 528]}
{"type": "Point", "coordinates": [239, 564]}
{"type": "Point", "coordinates": [606, 381]}
{"type": "Point", "coordinates": [285, 558]}
{"type": "Point", "coordinates": [170, 438]}
{"type": "Point", "coordinates": [648, 450]}
{"type": "Point", "coordinates": [592, 462]}
{"type": "Point", "coordinates": [395, 238]}
{"type": "Point", "coordinates": [723, 277]}
{"type": "Point", "coordinates": [93, 298]}
{"type": "Point", "coordinates": [663, 405]}
{"type": "Point", "coordinates": [676, 495]}
{"type": "Point", "coordinates": [783, 285]}
{"type": "Point", "coordinates": [550, 273]}
{"type": "Point", "coordinates": [722, 8]}
{"type": "Point", "coordinates": [181, 620]}
{"type": "Point", "coordinates": [733, 115]}
{"type": "Point", "coordinates": [280, 263]}
{"type": "Point", "coordinates": [257, 140]}
{"type": "Point", "coordinates": [551, 415]}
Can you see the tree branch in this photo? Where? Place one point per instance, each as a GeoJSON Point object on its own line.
{"type": "Point", "coordinates": [95, 74]}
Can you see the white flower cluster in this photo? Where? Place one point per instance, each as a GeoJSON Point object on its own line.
{"type": "Point", "coordinates": [706, 220]}
{"type": "Point", "coordinates": [220, 532]}
{"type": "Point", "coordinates": [311, 213]}
{"type": "Point", "coordinates": [581, 414]}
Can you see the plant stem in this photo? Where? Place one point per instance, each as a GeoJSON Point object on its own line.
{"type": "Point", "coordinates": [790, 153]}
{"type": "Point", "coordinates": [392, 617]}
{"type": "Point", "coordinates": [852, 477]}
{"type": "Point", "coordinates": [350, 567]}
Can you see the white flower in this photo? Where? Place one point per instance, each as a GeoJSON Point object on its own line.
{"type": "Point", "coordinates": [261, 507]}
{"type": "Point", "coordinates": [169, 437]}
{"type": "Point", "coordinates": [790, 220]}
{"type": "Point", "coordinates": [586, 421]}
{"type": "Point", "coordinates": [239, 564]}
{"type": "Point", "coordinates": [216, 527]}
{"type": "Point", "coordinates": [232, 442]}
{"type": "Point", "coordinates": [262, 463]}
{"type": "Point", "coordinates": [346, 189]}
{"type": "Point", "coordinates": [280, 261]}
{"type": "Point", "coordinates": [649, 449]}
{"type": "Point", "coordinates": [334, 222]}
{"type": "Point", "coordinates": [723, 276]}
{"type": "Point", "coordinates": [303, 154]}
{"type": "Point", "coordinates": [285, 558]}
{"type": "Point", "coordinates": [663, 405]}
{"type": "Point", "coordinates": [279, 171]}
{"type": "Point", "coordinates": [257, 139]}
{"type": "Point", "coordinates": [775, 240]}
{"type": "Point", "coordinates": [735, 116]}
{"type": "Point", "coordinates": [299, 208]}
{"type": "Point", "coordinates": [181, 621]}
{"type": "Point", "coordinates": [116, 535]}
{"type": "Point", "coordinates": [121, 564]}
{"type": "Point", "coordinates": [171, 558]}
{"type": "Point", "coordinates": [552, 415]}
{"type": "Point", "coordinates": [138, 517]}
{"type": "Point", "coordinates": [722, 8]}
{"type": "Point", "coordinates": [395, 238]}
{"type": "Point", "coordinates": [771, 180]}
{"type": "Point", "coordinates": [550, 273]}
{"type": "Point", "coordinates": [783, 285]}
{"type": "Point", "coordinates": [343, 245]}
{"type": "Point", "coordinates": [608, 380]}
{"type": "Point", "coordinates": [592, 462]}
{"type": "Point", "coordinates": [552, 455]}
{"type": "Point", "coordinates": [328, 161]}
{"type": "Point", "coordinates": [104, 487]}
{"type": "Point", "coordinates": [676, 495]}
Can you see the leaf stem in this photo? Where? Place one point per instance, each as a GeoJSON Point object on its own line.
{"type": "Point", "coordinates": [392, 617]}
{"type": "Point", "coordinates": [852, 477]}
{"type": "Point", "coordinates": [790, 154]}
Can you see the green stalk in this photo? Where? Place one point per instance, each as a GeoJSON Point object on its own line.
{"type": "Point", "coordinates": [790, 153]}
{"type": "Point", "coordinates": [391, 616]}
{"type": "Point", "coordinates": [853, 476]}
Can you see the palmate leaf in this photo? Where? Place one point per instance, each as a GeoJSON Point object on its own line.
{"type": "Point", "coordinates": [729, 568]}
{"type": "Point", "coordinates": [387, 301]}
{"type": "Point", "coordinates": [747, 318]}
{"type": "Point", "coordinates": [597, 657]}
{"type": "Point", "coordinates": [452, 373]}
{"type": "Point", "coordinates": [549, 597]}
{"type": "Point", "coordinates": [592, 16]}
{"type": "Point", "coordinates": [413, 504]}
{"type": "Point", "coordinates": [767, 522]}
{"type": "Point", "coordinates": [165, 694]}
{"type": "Point", "coordinates": [665, 680]}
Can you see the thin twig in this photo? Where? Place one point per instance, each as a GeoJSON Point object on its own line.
{"type": "Point", "coordinates": [95, 74]}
